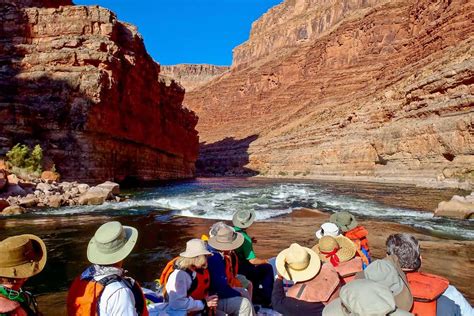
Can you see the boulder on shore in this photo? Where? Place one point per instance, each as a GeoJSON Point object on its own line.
{"type": "Point", "coordinates": [458, 207]}
{"type": "Point", "coordinates": [112, 186]}
{"type": "Point", "coordinates": [13, 210]}
{"type": "Point", "coordinates": [95, 196]}
{"type": "Point", "coordinates": [50, 176]}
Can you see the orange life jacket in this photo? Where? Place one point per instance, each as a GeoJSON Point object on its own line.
{"type": "Point", "coordinates": [199, 287]}
{"type": "Point", "coordinates": [322, 288]}
{"type": "Point", "coordinates": [425, 288]}
{"type": "Point", "coordinates": [358, 235]}
{"type": "Point", "coordinates": [231, 269]}
{"type": "Point", "coordinates": [347, 270]}
{"type": "Point", "coordinates": [84, 295]}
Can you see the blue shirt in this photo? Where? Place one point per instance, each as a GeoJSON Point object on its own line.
{"type": "Point", "coordinates": [219, 285]}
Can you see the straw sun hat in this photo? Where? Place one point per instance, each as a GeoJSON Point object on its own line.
{"type": "Point", "coordinates": [111, 243]}
{"type": "Point", "coordinates": [243, 218]}
{"type": "Point", "coordinates": [335, 249]}
{"type": "Point", "coordinates": [22, 256]}
{"type": "Point", "coordinates": [195, 247]}
{"type": "Point", "coordinates": [226, 238]}
{"type": "Point", "coordinates": [298, 263]}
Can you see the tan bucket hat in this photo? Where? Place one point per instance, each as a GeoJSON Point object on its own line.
{"type": "Point", "coordinates": [298, 263]}
{"type": "Point", "coordinates": [195, 247]}
{"type": "Point", "coordinates": [243, 218]}
{"type": "Point", "coordinates": [388, 272]}
{"type": "Point", "coordinates": [111, 243]}
{"type": "Point", "coordinates": [226, 238]}
{"type": "Point", "coordinates": [345, 220]}
{"type": "Point", "coordinates": [335, 249]}
{"type": "Point", "coordinates": [22, 256]}
{"type": "Point", "coordinates": [362, 298]}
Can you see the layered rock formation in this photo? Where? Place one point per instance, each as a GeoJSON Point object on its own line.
{"type": "Point", "coordinates": [80, 83]}
{"type": "Point", "coordinates": [383, 92]}
{"type": "Point", "coordinates": [193, 76]}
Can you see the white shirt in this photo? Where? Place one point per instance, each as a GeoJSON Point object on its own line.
{"type": "Point", "coordinates": [177, 288]}
{"type": "Point", "coordinates": [117, 300]}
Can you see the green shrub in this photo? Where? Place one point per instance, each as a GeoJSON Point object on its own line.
{"type": "Point", "coordinates": [23, 160]}
{"type": "Point", "coordinates": [17, 155]}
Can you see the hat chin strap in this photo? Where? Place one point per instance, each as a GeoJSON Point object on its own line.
{"type": "Point", "coordinates": [334, 259]}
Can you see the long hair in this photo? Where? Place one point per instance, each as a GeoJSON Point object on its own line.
{"type": "Point", "coordinates": [187, 263]}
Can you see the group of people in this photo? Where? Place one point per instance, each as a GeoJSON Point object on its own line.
{"type": "Point", "coordinates": [220, 274]}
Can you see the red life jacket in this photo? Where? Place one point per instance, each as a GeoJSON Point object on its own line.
{"type": "Point", "coordinates": [199, 287]}
{"type": "Point", "coordinates": [84, 295]}
{"type": "Point", "coordinates": [425, 288]}
{"type": "Point", "coordinates": [323, 288]}
{"type": "Point", "coordinates": [347, 270]}
{"type": "Point", "coordinates": [231, 269]}
{"type": "Point", "coordinates": [358, 235]}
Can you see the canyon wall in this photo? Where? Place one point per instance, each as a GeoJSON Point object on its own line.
{"type": "Point", "coordinates": [193, 76]}
{"type": "Point", "coordinates": [80, 83]}
{"type": "Point", "coordinates": [383, 93]}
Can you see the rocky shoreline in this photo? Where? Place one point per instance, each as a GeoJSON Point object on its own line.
{"type": "Point", "coordinates": [18, 196]}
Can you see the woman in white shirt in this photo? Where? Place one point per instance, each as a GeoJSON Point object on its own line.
{"type": "Point", "coordinates": [187, 280]}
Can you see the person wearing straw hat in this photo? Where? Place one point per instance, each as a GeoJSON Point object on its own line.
{"type": "Point", "coordinates": [103, 286]}
{"type": "Point", "coordinates": [355, 232]}
{"type": "Point", "coordinates": [183, 280]}
{"type": "Point", "coordinates": [231, 301]}
{"type": "Point", "coordinates": [302, 266]}
{"type": "Point", "coordinates": [364, 297]}
{"type": "Point", "coordinates": [340, 252]}
{"type": "Point", "coordinates": [21, 257]}
{"type": "Point", "coordinates": [257, 270]}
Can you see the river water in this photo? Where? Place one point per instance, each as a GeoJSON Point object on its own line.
{"type": "Point", "coordinates": [168, 215]}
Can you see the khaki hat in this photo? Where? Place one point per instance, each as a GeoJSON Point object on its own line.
{"type": "Point", "coordinates": [335, 249]}
{"type": "Point", "coordinates": [362, 298]}
{"type": "Point", "coordinates": [194, 248]}
{"type": "Point", "coordinates": [345, 220]}
{"type": "Point", "coordinates": [243, 218]}
{"type": "Point", "coordinates": [226, 238]}
{"type": "Point", "coordinates": [298, 263]}
{"type": "Point", "coordinates": [111, 243]}
{"type": "Point", "coordinates": [22, 256]}
{"type": "Point", "coordinates": [389, 273]}
{"type": "Point", "coordinates": [328, 229]}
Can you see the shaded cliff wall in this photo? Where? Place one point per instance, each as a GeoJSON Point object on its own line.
{"type": "Point", "coordinates": [80, 83]}
{"type": "Point", "coordinates": [192, 76]}
{"type": "Point", "coordinates": [386, 94]}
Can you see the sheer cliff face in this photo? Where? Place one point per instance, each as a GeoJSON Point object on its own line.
{"type": "Point", "coordinates": [386, 93]}
{"type": "Point", "coordinates": [81, 83]}
{"type": "Point", "coordinates": [192, 76]}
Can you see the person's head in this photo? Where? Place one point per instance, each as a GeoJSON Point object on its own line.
{"type": "Point", "coordinates": [328, 229]}
{"type": "Point", "coordinates": [243, 218]}
{"type": "Point", "coordinates": [215, 227]}
{"type": "Point", "coordinates": [111, 244]}
{"type": "Point", "coordinates": [297, 263]}
{"type": "Point", "coordinates": [335, 249]}
{"type": "Point", "coordinates": [406, 248]}
{"type": "Point", "coordinates": [195, 255]}
{"type": "Point", "coordinates": [344, 220]}
{"type": "Point", "coordinates": [226, 239]}
{"type": "Point", "coordinates": [364, 297]}
{"type": "Point", "coordinates": [21, 257]}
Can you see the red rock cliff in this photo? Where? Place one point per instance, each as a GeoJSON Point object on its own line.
{"type": "Point", "coordinates": [193, 76]}
{"type": "Point", "coordinates": [81, 84]}
{"type": "Point", "coordinates": [384, 94]}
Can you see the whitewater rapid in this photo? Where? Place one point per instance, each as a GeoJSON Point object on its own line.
{"type": "Point", "coordinates": [220, 199]}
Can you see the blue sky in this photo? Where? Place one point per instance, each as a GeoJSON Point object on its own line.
{"type": "Point", "coordinates": [189, 31]}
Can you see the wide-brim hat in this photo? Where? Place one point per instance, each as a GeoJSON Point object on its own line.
{"type": "Point", "coordinates": [328, 229]}
{"type": "Point", "coordinates": [22, 256]}
{"type": "Point", "coordinates": [226, 239]}
{"type": "Point", "coordinates": [347, 249]}
{"type": "Point", "coordinates": [111, 243]}
{"type": "Point", "coordinates": [345, 220]}
{"type": "Point", "coordinates": [298, 263]}
{"type": "Point", "coordinates": [389, 273]}
{"type": "Point", "coordinates": [195, 248]}
{"type": "Point", "coordinates": [243, 218]}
